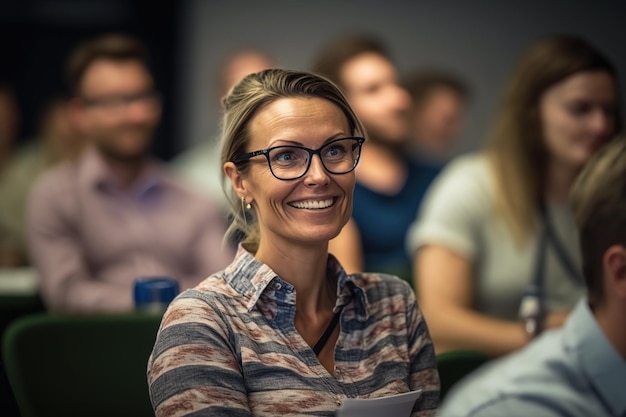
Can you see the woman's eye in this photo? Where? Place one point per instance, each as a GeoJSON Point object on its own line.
{"type": "Point", "coordinates": [335, 151]}
{"type": "Point", "coordinates": [284, 156]}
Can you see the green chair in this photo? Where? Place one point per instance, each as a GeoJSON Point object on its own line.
{"type": "Point", "coordinates": [80, 365]}
{"type": "Point", "coordinates": [455, 365]}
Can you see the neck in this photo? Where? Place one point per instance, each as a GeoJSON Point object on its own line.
{"type": "Point", "coordinates": [610, 320]}
{"type": "Point", "coordinates": [560, 179]}
{"type": "Point", "coordinates": [125, 170]}
{"type": "Point", "coordinates": [373, 150]}
{"type": "Point", "coordinates": [305, 269]}
{"type": "Point", "coordinates": [382, 168]}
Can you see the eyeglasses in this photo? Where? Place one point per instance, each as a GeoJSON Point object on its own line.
{"type": "Point", "coordinates": [339, 156]}
{"type": "Point", "coordinates": [120, 102]}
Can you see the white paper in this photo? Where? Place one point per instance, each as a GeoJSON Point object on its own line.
{"type": "Point", "coordinates": [399, 405]}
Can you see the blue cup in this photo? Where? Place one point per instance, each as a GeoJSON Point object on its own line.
{"type": "Point", "coordinates": [153, 294]}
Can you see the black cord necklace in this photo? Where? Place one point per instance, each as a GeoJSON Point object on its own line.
{"type": "Point", "coordinates": [326, 335]}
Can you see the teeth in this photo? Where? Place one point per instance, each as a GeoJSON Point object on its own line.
{"type": "Point", "coordinates": [312, 204]}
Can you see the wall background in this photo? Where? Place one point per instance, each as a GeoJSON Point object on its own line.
{"type": "Point", "coordinates": [480, 40]}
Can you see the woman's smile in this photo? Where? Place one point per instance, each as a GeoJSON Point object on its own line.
{"type": "Point", "coordinates": [313, 204]}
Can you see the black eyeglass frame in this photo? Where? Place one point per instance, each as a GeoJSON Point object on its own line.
{"type": "Point", "coordinates": [266, 152]}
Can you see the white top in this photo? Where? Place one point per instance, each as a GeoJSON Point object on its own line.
{"type": "Point", "coordinates": [201, 166]}
{"type": "Point", "coordinates": [458, 213]}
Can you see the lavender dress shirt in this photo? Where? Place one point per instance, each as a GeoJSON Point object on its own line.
{"type": "Point", "coordinates": [90, 239]}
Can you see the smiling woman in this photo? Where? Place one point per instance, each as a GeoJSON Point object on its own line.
{"type": "Point", "coordinates": [284, 330]}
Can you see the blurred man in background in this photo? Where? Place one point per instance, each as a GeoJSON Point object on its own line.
{"type": "Point", "coordinates": [390, 185]}
{"type": "Point", "coordinates": [436, 114]}
{"type": "Point", "coordinates": [56, 140]}
{"type": "Point", "coordinates": [114, 215]}
{"type": "Point", "coordinates": [10, 255]}
{"type": "Point", "coordinates": [200, 164]}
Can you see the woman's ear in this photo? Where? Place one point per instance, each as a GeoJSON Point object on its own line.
{"type": "Point", "coordinates": [236, 179]}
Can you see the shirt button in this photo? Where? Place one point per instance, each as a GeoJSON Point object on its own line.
{"type": "Point", "coordinates": [338, 402]}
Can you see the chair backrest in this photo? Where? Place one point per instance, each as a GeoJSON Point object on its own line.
{"type": "Point", "coordinates": [66, 365]}
{"type": "Point", "coordinates": [455, 365]}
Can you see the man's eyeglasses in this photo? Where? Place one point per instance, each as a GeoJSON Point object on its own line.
{"type": "Point", "coordinates": [339, 156]}
{"type": "Point", "coordinates": [119, 102]}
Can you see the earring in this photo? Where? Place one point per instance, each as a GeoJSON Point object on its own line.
{"type": "Point", "coordinates": [245, 204]}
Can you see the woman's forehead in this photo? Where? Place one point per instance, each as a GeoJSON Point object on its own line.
{"type": "Point", "coordinates": [297, 118]}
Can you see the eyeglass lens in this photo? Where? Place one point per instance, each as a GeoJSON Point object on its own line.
{"type": "Point", "coordinates": [338, 157]}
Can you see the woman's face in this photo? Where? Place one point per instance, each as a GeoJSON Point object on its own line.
{"type": "Point", "coordinates": [313, 208]}
{"type": "Point", "coordinates": [578, 116]}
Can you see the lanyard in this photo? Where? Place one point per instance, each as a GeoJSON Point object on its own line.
{"type": "Point", "coordinates": [532, 307]}
{"type": "Point", "coordinates": [562, 254]}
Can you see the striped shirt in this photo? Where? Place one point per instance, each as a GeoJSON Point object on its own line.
{"type": "Point", "coordinates": [229, 347]}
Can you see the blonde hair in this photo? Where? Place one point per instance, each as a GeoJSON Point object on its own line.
{"type": "Point", "coordinates": [598, 199]}
{"type": "Point", "coordinates": [240, 106]}
{"type": "Point", "coordinates": [516, 149]}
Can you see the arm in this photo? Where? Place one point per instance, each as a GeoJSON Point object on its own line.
{"type": "Point", "coordinates": [193, 369]}
{"type": "Point", "coordinates": [346, 247]}
{"type": "Point", "coordinates": [56, 250]}
{"type": "Point", "coordinates": [444, 283]}
{"type": "Point", "coordinates": [423, 372]}
{"type": "Point", "coordinates": [445, 243]}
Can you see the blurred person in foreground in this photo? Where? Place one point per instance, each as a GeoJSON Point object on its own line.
{"type": "Point", "coordinates": [496, 250]}
{"type": "Point", "coordinates": [201, 164]}
{"type": "Point", "coordinates": [580, 369]}
{"type": "Point", "coordinates": [389, 185]}
{"type": "Point", "coordinates": [436, 115]}
{"type": "Point", "coordinates": [115, 214]}
{"type": "Point", "coordinates": [56, 141]}
{"type": "Point", "coordinates": [284, 330]}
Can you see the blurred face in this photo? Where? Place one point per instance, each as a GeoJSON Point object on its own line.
{"type": "Point", "coordinates": [59, 133]}
{"type": "Point", "coordinates": [437, 121]}
{"type": "Point", "coordinates": [118, 108]}
{"type": "Point", "coordinates": [242, 65]}
{"type": "Point", "coordinates": [371, 85]}
{"type": "Point", "coordinates": [578, 116]}
{"type": "Point", "coordinates": [310, 210]}
{"type": "Point", "coordinates": [9, 121]}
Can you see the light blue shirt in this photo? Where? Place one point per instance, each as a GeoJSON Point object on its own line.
{"type": "Point", "coordinates": [573, 371]}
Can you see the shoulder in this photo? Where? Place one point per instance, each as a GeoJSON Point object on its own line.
{"type": "Point", "coordinates": [510, 406]}
{"type": "Point", "coordinates": [536, 380]}
{"type": "Point", "coordinates": [189, 196]}
{"type": "Point", "coordinates": [57, 182]}
{"type": "Point", "coordinates": [467, 169]}
{"type": "Point", "coordinates": [197, 157]}
{"type": "Point", "coordinates": [462, 187]}
{"type": "Point", "coordinates": [378, 279]}
{"type": "Point", "coordinates": [380, 287]}
{"type": "Point", "coordinates": [456, 207]}
{"type": "Point", "coordinates": [210, 302]}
